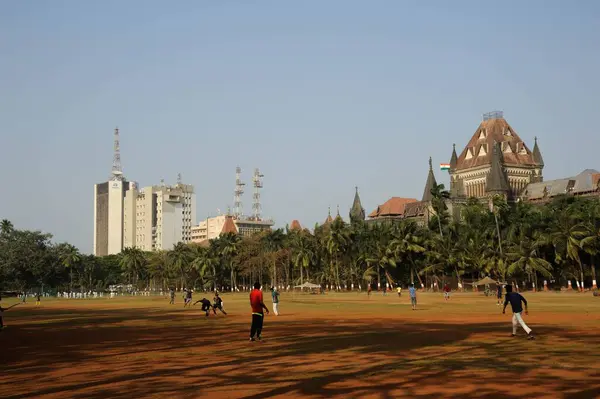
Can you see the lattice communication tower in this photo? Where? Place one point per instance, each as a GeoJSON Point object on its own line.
{"type": "Point", "coordinates": [258, 184]}
{"type": "Point", "coordinates": [238, 209]}
{"type": "Point", "coordinates": [117, 170]}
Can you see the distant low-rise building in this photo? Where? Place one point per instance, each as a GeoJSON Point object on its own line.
{"type": "Point", "coordinates": [585, 184]}
{"type": "Point", "coordinates": [213, 227]}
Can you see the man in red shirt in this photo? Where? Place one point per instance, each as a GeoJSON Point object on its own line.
{"type": "Point", "coordinates": [447, 291]}
{"type": "Point", "coordinates": [257, 305]}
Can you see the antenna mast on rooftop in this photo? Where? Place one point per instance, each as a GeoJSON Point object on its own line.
{"type": "Point", "coordinates": [117, 170]}
{"type": "Point", "coordinates": [258, 184]}
{"type": "Point", "coordinates": [238, 209]}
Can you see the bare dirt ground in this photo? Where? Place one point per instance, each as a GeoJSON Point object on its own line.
{"type": "Point", "coordinates": [336, 345]}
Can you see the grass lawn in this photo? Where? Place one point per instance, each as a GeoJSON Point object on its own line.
{"type": "Point", "coordinates": [334, 345]}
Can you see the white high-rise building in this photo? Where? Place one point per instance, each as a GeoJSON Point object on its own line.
{"type": "Point", "coordinates": [108, 207]}
{"type": "Point", "coordinates": [158, 217]}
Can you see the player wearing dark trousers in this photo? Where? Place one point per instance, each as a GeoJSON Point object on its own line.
{"type": "Point", "coordinates": [515, 299]}
{"type": "Point", "coordinates": [257, 305]}
{"type": "Point", "coordinates": [218, 304]}
{"type": "Point", "coordinates": [172, 294]}
{"type": "Point", "coordinates": [206, 306]}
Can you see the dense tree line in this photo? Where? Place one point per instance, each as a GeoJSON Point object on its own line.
{"type": "Point", "coordinates": [556, 242]}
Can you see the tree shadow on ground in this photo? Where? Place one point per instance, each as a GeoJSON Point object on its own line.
{"type": "Point", "coordinates": [153, 352]}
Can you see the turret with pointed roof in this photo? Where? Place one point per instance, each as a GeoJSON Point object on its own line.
{"type": "Point", "coordinates": [453, 158]}
{"type": "Point", "coordinates": [357, 212]}
{"type": "Point", "coordinates": [537, 154]}
{"type": "Point", "coordinates": [429, 184]}
{"type": "Point", "coordinates": [229, 226]}
{"type": "Point", "coordinates": [497, 182]}
{"type": "Point", "coordinates": [295, 226]}
{"type": "Point", "coordinates": [338, 217]}
{"type": "Point", "coordinates": [329, 219]}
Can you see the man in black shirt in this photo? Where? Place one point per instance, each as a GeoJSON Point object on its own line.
{"type": "Point", "coordinates": [206, 305]}
{"type": "Point", "coordinates": [515, 300]}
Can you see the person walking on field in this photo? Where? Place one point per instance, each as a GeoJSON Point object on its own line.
{"type": "Point", "coordinates": [499, 294]}
{"type": "Point", "coordinates": [257, 305]}
{"type": "Point", "coordinates": [275, 295]}
{"type": "Point", "coordinates": [399, 291]}
{"type": "Point", "coordinates": [515, 299]}
{"type": "Point", "coordinates": [447, 291]}
{"type": "Point", "coordinates": [413, 296]}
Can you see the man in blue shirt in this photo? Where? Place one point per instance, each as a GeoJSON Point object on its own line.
{"type": "Point", "coordinates": [515, 300]}
{"type": "Point", "coordinates": [413, 296]}
{"type": "Point", "coordinates": [275, 295]}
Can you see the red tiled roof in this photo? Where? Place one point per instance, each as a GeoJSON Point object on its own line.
{"type": "Point", "coordinates": [295, 225]}
{"type": "Point", "coordinates": [514, 150]}
{"type": "Point", "coordinates": [395, 206]}
{"type": "Point", "coordinates": [229, 226]}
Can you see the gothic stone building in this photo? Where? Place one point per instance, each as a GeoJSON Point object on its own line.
{"type": "Point", "coordinates": [495, 161]}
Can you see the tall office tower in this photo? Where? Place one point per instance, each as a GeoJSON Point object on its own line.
{"type": "Point", "coordinates": [108, 207]}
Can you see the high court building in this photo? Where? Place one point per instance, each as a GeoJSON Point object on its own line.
{"type": "Point", "coordinates": [494, 162]}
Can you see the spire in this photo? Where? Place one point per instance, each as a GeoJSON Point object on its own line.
{"type": "Point", "coordinates": [453, 158]}
{"type": "Point", "coordinates": [329, 218]}
{"type": "Point", "coordinates": [357, 212]}
{"type": "Point", "coordinates": [179, 181]}
{"type": "Point", "coordinates": [117, 170]}
{"type": "Point", "coordinates": [496, 179]}
{"type": "Point", "coordinates": [430, 184]}
{"type": "Point", "coordinates": [537, 154]}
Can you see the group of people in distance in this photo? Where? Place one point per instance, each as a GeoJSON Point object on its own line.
{"type": "Point", "coordinates": [515, 299]}
{"type": "Point", "coordinates": [207, 306]}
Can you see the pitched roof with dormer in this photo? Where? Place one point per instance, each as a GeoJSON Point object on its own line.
{"type": "Point", "coordinates": [494, 128]}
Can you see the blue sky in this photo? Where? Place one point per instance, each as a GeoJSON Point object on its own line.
{"type": "Point", "coordinates": [322, 96]}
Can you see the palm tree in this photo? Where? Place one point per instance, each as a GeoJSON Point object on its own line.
{"type": "Point", "coordinates": [499, 207]}
{"type": "Point", "coordinates": [591, 245]}
{"type": "Point", "coordinates": [206, 261]}
{"type": "Point", "coordinates": [179, 259]}
{"type": "Point", "coordinates": [525, 258]}
{"type": "Point", "coordinates": [272, 242]}
{"type": "Point", "coordinates": [133, 261]}
{"type": "Point", "coordinates": [438, 202]}
{"type": "Point", "coordinates": [302, 253]}
{"type": "Point", "coordinates": [229, 245]}
{"type": "Point", "coordinates": [158, 268]}
{"type": "Point", "coordinates": [70, 258]}
{"type": "Point", "coordinates": [6, 228]}
{"type": "Point", "coordinates": [336, 243]}
{"type": "Point", "coordinates": [405, 245]}
{"type": "Point", "coordinates": [564, 234]}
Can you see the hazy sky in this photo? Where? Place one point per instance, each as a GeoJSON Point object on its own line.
{"type": "Point", "coordinates": [322, 96]}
